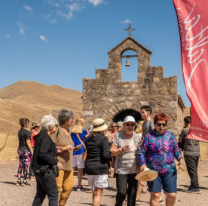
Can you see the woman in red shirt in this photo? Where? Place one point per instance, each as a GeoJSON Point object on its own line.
{"type": "Point", "coordinates": [34, 131]}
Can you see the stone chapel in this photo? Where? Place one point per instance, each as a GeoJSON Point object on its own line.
{"type": "Point", "coordinates": [109, 98]}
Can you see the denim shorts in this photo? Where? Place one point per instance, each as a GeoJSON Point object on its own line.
{"type": "Point", "coordinates": [167, 181]}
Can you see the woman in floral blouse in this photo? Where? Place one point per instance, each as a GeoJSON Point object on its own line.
{"type": "Point", "coordinates": [157, 152]}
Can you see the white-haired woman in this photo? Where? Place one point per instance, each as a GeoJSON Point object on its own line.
{"type": "Point", "coordinates": [97, 162]}
{"type": "Point", "coordinates": [43, 162]}
{"type": "Point", "coordinates": [65, 147]}
{"type": "Point", "coordinates": [78, 134]}
{"type": "Point", "coordinates": [124, 148]}
{"type": "Point", "coordinates": [119, 126]}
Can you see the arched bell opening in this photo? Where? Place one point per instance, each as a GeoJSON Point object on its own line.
{"type": "Point", "coordinates": [120, 116]}
{"type": "Point", "coordinates": [129, 66]}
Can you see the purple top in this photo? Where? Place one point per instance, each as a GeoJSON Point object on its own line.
{"type": "Point", "coordinates": [157, 152]}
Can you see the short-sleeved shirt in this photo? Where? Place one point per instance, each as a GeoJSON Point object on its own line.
{"type": "Point", "coordinates": [23, 135]}
{"type": "Point", "coordinates": [78, 142]}
{"type": "Point", "coordinates": [126, 162]}
{"type": "Point", "coordinates": [191, 146]}
{"type": "Point", "coordinates": [147, 127]}
{"type": "Point", "coordinates": [32, 140]}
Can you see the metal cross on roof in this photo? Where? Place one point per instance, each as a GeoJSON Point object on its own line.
{"type": "Point", "coordinates": [129, 29]}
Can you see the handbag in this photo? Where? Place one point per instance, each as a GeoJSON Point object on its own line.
{"type": "Point", "coordinates": [85, 154]}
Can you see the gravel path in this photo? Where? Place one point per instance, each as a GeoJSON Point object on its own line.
{"type": "Point", "coordinates": [12, 195]}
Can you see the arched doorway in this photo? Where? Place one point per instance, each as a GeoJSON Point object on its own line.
{"type": "Point", "coordinates": [120, 116]}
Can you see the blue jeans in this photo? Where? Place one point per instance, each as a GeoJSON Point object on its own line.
{"type": "Point", "coordinates": [167, 181]}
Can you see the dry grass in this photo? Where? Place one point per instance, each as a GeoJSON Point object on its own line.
{"type": "Point", "coordinates": [31, 100]}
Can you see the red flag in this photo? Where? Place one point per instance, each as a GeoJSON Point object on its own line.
{"type": "Point", "coordinates": [192, 18]}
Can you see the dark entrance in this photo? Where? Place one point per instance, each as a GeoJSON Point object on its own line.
{"type": "Point", "coordinates": [129, 112]}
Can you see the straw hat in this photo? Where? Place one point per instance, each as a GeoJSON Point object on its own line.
{"type": "Point", "coordinates": [99, 125]}
{"type": "Point", "coordinates": [147, 175]}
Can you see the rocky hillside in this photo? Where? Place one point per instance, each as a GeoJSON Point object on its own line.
{"type": "Point", "coordinates": [31, 100]}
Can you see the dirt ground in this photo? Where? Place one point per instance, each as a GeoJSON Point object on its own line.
{"type": "Point", "coordinates": [23, 196]}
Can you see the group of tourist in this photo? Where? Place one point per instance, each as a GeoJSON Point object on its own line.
{"type": "Point", "coordinates": [52, 151]}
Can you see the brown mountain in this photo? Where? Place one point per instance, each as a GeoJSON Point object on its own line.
{"type": "Point", "coordinates": [31, 100]}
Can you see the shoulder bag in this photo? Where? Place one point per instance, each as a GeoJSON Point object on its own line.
{"type": "Point", "coordinates": [85, 154]}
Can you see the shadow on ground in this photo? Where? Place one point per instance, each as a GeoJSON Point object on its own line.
{"type": "Point", "coordinates": [9, 183]}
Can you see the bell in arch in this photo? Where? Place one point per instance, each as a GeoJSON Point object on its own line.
{"type": "Point", "coordinates": [127, 63]}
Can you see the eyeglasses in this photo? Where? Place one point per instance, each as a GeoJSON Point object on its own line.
{"type": "Point", "coordinates": [132, 125]}
{"type": "Point", "coordinates": [114, 126]}
{"type": "Point", "coordinates": [161, 124]}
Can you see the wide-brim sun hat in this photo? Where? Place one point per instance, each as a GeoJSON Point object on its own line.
{"type": "Point", "coordinates": [99, 125]}
{"type": "Point", "coordinates": [147, 175]}
{"type": "Point", "coordinates": [129, 119]}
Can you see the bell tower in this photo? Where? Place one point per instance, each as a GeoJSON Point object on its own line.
{"type": "Point", "coordinates": [108, 97]}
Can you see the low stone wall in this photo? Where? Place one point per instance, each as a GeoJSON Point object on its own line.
{"type": "Point", "coordinates": [204, 151]}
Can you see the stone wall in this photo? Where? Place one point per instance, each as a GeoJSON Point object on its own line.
{"type": "Point", "coordinates": [105, 96]}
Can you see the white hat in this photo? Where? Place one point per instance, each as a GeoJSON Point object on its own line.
{"type": "Point", "coordinates": [99, 125]}
{"type": "Point", "coordinates": [147, 175]}
{"type": "Point", "coordinates": [129, 119]}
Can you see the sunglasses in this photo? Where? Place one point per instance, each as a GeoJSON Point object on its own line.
{"type": "Point", "coordinates": [161, 124]}
{"type": "Point", "coordinates": [132, 125]}
{"type": "Point", "coordinates": [114, 126]}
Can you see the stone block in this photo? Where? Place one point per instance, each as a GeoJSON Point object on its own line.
{"type": "Point", "coordinates": [118, 107]}
{"type": "Point", "coordinates": [173, 104]}
{"type": "Point", "coordinates": [111, 100]}
{"type": "Point", "coordinates": [113, 110]}
{"type": "Point", "coordinates": [162, 103]}
{"type": "Point", "coordinates": [87, 113]}
{"type": "Point", "coordinates": [128, 104]}
{"type": "Point", "coordinates": [144, 103]}
{"type": "Point", "coordinates": [134, 86]}
{"type": "Point", "coordinates": [173, 91]}
{"type": "Point", "coordinates": [152, 103]}
{"type": "Point", "coordinates": [145, 91]}
{"type": "Point", "coordinates": [162, 91]}
{"type": "Point", "coordinates": [156, 79]}
{"type": "Point", "coordinates": [126, 85]}
{"type": "Point", "coordinates": [137, 92]}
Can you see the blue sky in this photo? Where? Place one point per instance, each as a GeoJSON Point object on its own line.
{"type": "Point", "coordinates": [62, 41]}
